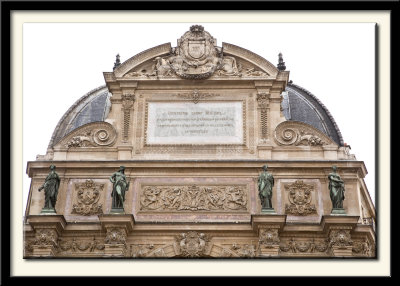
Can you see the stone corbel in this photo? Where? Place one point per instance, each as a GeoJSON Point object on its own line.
{"type": "Point", "coordinates": [117, 227]}
{"type": "Point", "coordinates": [338, 230]}
{"type": "Point", "coordinates": [48, 229]}
{"type": "Point", "coordinates": [268, 228]}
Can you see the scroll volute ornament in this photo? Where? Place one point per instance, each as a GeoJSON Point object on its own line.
{"type": "Point", "coordinates": [296, 133]}
{"type": "Point", "coordinates": [95, 134]}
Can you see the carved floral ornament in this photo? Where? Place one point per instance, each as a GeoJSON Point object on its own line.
{"type": "Point", "coordinates": [299, 197]}
{"type": "Point", "coordinates": [88, 195]}
{"type": "Point", "coordinates": [196, 57]}
{"type": "Point", "coordinates": [196, 95]}
{"type": "Point", "coordinates": [340, 238]}
{"type": "Point", "coordinates": [298, 133]}
{"type": "Point", "coordinates": [81, 245]}
{"type": "Point", "coordinates": [192, 244]}
{"type": "Point", "coordinates": [304, 246]}
{"type": "Point", "coordinates": [44, 237]}
{"type": "Point", "coordinates": [193, 198]}
{"type": "Point", "coordinates": [115, 236]}
{"type": "Point", "coordinates": [268, 237]}
{"type": "Point", "coordinates": [98, 134]}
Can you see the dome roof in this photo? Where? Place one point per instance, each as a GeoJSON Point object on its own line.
{"type": "Point", "coordinates": [301, 105]}
{"type": "Point", "coordinates": [298, 105]}
{"type": "Point", "coordinates": [92, 107]}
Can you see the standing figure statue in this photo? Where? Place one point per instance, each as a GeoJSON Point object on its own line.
{"type": "Point", "coordinates": [50, 186]}
{"type": "Point", "coordinates": [120, 186]}
{"type": "Point", "coordinates": [265, 184]}
{"type": "Point", "coordinates": [336, 189]}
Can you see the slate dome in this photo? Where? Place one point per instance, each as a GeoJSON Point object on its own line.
{"type": "Point", "coordinates": [298, 105]}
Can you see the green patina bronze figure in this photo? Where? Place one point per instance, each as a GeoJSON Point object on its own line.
{"type": "Point", "coordinates": [50, 187]}
{"type": "Point", "coordinates": [120, 187]}
{"type": "Point", "coordinates": [265, 184]}
{"type": "Point", "coordinates": [336, 189]}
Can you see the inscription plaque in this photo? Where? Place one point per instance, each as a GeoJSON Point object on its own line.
{"type": "Point", "coordinates": [190, 123]}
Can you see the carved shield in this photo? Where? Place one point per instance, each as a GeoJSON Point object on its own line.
{"type": "Point", "coordinates": [196, 49]}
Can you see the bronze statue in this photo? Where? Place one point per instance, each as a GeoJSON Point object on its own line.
{"type": "Point", "coordinates": [265, 184]}
{"type": "Point", "coordinates": [50, 186]}
{"type": "Point", "coordinates": [336, 189]}
{"type": "Point", "coordinates": [120, 187]}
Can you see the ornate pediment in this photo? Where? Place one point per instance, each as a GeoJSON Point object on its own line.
{"type": "Point", "coordinates": [196, 56]}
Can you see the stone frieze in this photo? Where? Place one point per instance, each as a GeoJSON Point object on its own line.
{"type": "Point", "coordinates": [208, 198]}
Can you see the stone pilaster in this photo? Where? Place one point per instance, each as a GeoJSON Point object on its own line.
{"type": "Point", "coordinates": [48, 229]}
{"type": "Point", "coordinates": [117, 228]}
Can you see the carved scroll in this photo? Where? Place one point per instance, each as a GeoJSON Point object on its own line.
{"type": "Point", "coordinates": [194, 198]}
{"type": "Point", "coordinates": [96, 134]}
{"type": "Point", "coordinates": [298, 133]}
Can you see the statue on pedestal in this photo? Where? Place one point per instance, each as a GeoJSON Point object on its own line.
{"type": "Point", "coordinates": [50, 186]}
{"type": "Point", "coordinates": [265, 184]}
{"type": "Point", "coordinates": [336, 190]}
{"type": "Point", "coordinates": [120, 187]}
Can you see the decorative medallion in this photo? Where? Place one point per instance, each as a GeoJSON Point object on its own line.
{"type": "Point", "coordinates": [45, 237]}
{"type": "Point", "coordinates": [300, 196]}
{"type": "Point", "coordinates": [192, 244]}
{"type": "Point", "coordinates": [115, 236]}
{"type": "Point", "coordinates": [340, 238]}
{"type": "Point", "coordinates": [88, 195]}
{"type": "Point", "coordinates": [196, 96]}
{"type": "Point", "coordinates": [268, 238]}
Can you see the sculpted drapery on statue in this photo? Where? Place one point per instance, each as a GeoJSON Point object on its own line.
{"type": "Point", "coordinates": [336, 189]}
{"type": "Point", "coordinates": [265, 184]}
{"type": "Point", "coordinates": [120, 187]}
{"type": "Point", "coordinates": [50, 186]}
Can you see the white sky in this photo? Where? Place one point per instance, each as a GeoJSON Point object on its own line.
{"type": "Point", "coordinates": [334, 61]}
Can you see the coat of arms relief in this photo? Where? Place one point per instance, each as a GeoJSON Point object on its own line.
{"type": "Point", "coordinates": [196, 57]}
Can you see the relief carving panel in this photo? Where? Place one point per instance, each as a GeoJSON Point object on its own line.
{"type": "Point", "coordinates": [300, 196]}
{"type": "Point", "coordinates": [87, 198]}
{"type": "Point", "coordinates": [208, 198]}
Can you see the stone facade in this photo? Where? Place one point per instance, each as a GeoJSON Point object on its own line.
{"type": "Point", "coordinates": [193, 125]}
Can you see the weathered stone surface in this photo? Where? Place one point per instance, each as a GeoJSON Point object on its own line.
{"type": "Point", "coordinates": [193, 190]}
